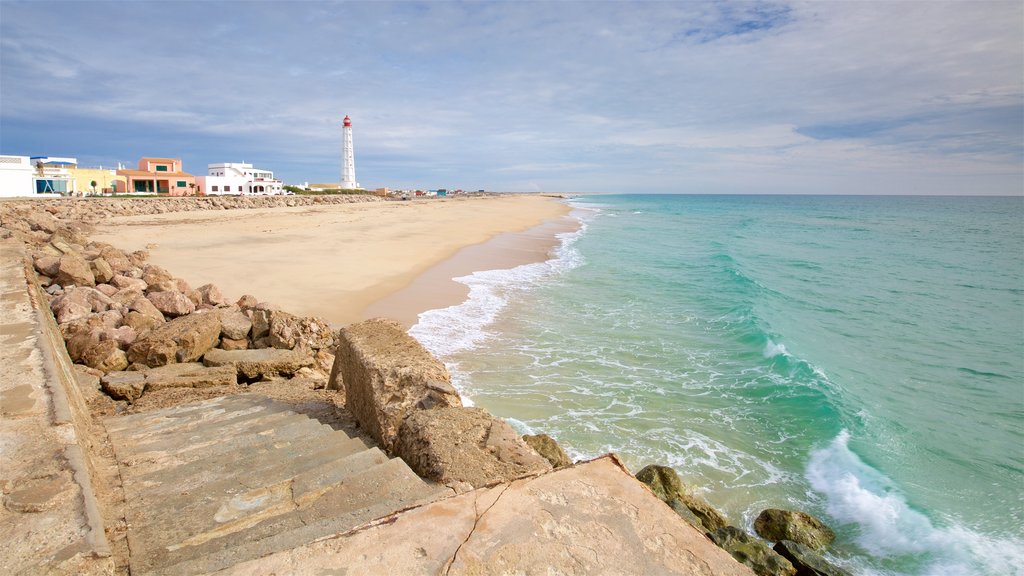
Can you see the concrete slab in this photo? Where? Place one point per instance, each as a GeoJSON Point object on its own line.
{"type": "Point", "coordinates": [593, 518]}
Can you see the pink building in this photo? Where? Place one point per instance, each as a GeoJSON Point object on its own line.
{"type": "Point", "coordinates": [160, 176]}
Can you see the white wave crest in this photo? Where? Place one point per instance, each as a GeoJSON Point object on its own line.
{"type": "Point", "coordinates": [771, 350]}
{"type": "Point", "coordinates": [858, 494]}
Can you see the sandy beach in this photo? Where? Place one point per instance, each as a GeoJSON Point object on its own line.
{"type": "Point", "coordinates": [349, 262]}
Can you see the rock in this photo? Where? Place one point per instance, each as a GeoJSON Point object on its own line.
{"type": "Point", "coordinates": [107, 289]}
{"type": "Point", "coordinates": [260, 324]}
{"type": "Point", "coordinates": [47, 265]}
{"type": "Point", "coordinates": [806, 561]}
{"type": "Point", "coordinates": [78, 343]}
{"type": "Point", "coordinates": [387, 375]}
{"type": "Point", "coordinates": [547, 447]}
{"type": "Point", "coordinates": [101, 270]}
{"type": "Point", "coordinates": [87, 379]}
{"type": "Point", "coordinates": [234, 324]}
{"type": "Point", "coordinates": [211, 295]}
{"type": "Point", "coordinates": [52, 289]}
{"type": "Point", "coordinates": [172, 304]}
{"type": "Point", "coordinates": [183, 339]}
{"type": "Point", "coordinates": [124, 336]}
{"type": "Point", "coordinates": [38, 220]}
{"type": "Point", "coordinates": [189, 375]}
{"type": "Point", "coordinates": [141, 322]}
{"type": "Point", "coordinates": [124, 385]}
{"type": "Point", "coordinates": [453, 445]}
{"type": "Point", "coordinates": [665, 484]}
{"type": "Point", "coordinates": [153, 274]}
{"type": "Point", "coordinates": [117, 259]}
{"type": "Point", "coordinates": [138, 258]}
{"type": "Point", "coordinates": [123, 282]}
{"type": "Point", "coordinates": [288, 331]}
{"type": "Point", "coordinates": [752, 552]}
{"type": "Point", "coordinates": [162, 286]}
{"type": "Point", "coordinates": [70, 306]}
{"type": "Point", "coordinates": [74, 270]}
{"type": "Point", "coordinates": [86, 296]}
{"type": "Point", "coordinates": [105, 356]}
{"type": "Point", "coordinates": [775, 525]}
{"type": "Point", "coordinates": [142, 305]}
{"type": "Point", "coordinates": [247, 301]}
{"type": "Point", "coordinates": [232, 344]}
{"type": "Point", "coordinates": [253, 365]}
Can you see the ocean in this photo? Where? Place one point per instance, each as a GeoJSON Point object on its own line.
{"type": "Point", "coordinates": [858, 358]}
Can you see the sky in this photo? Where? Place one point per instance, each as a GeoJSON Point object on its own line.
{"type": "Point", "coordinates": [632, 97]}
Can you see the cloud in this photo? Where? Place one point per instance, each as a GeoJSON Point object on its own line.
{"type": "Point", "coordinates": [640, 97]}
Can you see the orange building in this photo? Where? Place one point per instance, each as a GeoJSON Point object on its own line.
{"type": "Point", "coordinates": [160, 176]}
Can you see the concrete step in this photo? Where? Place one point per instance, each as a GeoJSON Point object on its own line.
{"type": "Point", "coordinates": [221, 466]}
{"type": "Point", "coordinates": [202, 409]}
{"type": "Point", "coordinates": [264, 433]}
{"type": "Point", "coordinates": [226, 514]}
{"type": "Point", "coordinates": [373, 493]}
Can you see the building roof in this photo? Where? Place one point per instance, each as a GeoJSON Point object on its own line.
{"type": "Point", "coordinates": [149, 159]}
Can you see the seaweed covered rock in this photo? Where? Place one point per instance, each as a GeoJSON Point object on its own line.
{"type": "Point", "coordinates": [465, 447]}
{"type": "Point", "coordinates": [665, 483]}
{"type": "Point", "coordinates": [752, 552]}
{"type": "Point", "coordinates": [547, 447]}
{"type": "Point", "coordinates": [775, 524]}
{"type": "Point", "coordinates": [806, 561]}
{"type": "Point", "coordinates": [387, 375]}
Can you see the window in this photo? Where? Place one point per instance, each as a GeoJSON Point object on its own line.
{"type": "Point", "coordinates": [161, 168]}
{"type": "Point", "coordinates": [182, 184]}
{"type": "Point", "coordinates": [213, 189]}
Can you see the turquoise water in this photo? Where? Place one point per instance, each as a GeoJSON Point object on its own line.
{"type": "Point", "coordinates": [861, 358]}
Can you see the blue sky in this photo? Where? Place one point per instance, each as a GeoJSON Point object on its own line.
{"type": "Point", "coordinates": [692, 97]}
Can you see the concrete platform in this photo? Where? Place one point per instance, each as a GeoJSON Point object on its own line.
{"type": "Point", "coordinates": [593, 518]}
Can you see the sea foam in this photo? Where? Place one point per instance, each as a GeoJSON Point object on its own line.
{"type": "Point", "coordinates": [888, 526]}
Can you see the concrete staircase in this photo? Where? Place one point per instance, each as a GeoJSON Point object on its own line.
{"type": "Point", "coordinates": [226, 480]}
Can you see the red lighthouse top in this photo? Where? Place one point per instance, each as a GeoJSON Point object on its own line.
{"type": "Point", "coordinates": [348, 121]}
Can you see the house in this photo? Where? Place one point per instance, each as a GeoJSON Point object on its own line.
{"type": "Point", "coordinates": [53, 175]}
{"type": "Point", "coordinates": [15, 176]}
{"type": "Point", "coordinates": [238, 178]}
{"type": "Point", "coordinates": [159, 176]}
{"type": "Point", "coordinates": [106, 179]}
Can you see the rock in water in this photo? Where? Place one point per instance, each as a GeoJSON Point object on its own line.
{"type": "Point", "coordinates": [387, 375]}
{"type": "Point", "coordinates": [665, 484]}
{"type": "Point", "coordinates": [752, 552]}
{"type": "Point", "coordinates": [183, 339]}
{"type": "Point", "coordinates": [547, 447]}
{"type": "Point", "coordinates": [806, 561]}
{"type": "Point", "coordinates": [458, 446]}
{"type": "Point", "coordinates": [775, 525]}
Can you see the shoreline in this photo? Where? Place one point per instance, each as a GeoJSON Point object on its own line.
{"type": "Point", "coordinates": [344, 263]}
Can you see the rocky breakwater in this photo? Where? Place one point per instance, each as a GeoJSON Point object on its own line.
{"type": "Point", "coordinates": [402, 395]}
{"type": "Point", "coordinates": [799, 537]}
{"type": "Point", "coordinates": [24, 215]}
{"type": "Point", "coordinates": [136, 328]}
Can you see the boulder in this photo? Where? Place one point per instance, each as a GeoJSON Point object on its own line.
{"type": "Point", "coordinates": [665, 484]}
{"type": "Point", "coordinates": [138, 258]}
{"type": "Point", "coordinates": [122, 282]}
{"type": "Point", "coordinates": [124, 336]}
{"type": "Point", "coordinates": [143, 306]}
{"type": "Point", "coordinates": [162, 286]}
{"type": "Point", "coordinates": [806, 561]}
{"type": "Point", "coordinates": [465, 446]}
{"type": "Point", "coordinates": [247, 301]}
{"type": "Point", "coordinates": [211, 295]}
{"type": "Point", "coordinates": [234, 324]}
{"type": "Point", "coordinates": [116, 258]}
{"type": "Point", "coordinates": [47, 265]}
{"type": "Point", "coordinates": [101, 270]}
{"type": "Point", "coordinates": [183, 339]}
{"type": "Point", "coordinates": [253, 365]}
{"type": "Point", "coordinates": [75, 270]}
{"type": "Point", "coordinates": [70, 306]}
{"type": "Point", "coordinates": [233, 344]}
{"type": "Point", "coordinates": [752, 552]}
{"type": "Point", "coordinates": [387, 375]}
{"type": "Point", "coordinates": [288, 331]}
{"type": "Point", "coordinates": [124, 385]}
{"type": "Point", "coordinates": [39, 220]}
{"type": "Point", "coordinates": [140, 322]}
{"type": "Point", "coordinates": [189, 375]}
{"type": "Point", "coordinates": [171, 304]}
{"type": "Point", "coordinates": [107, 289]}
{"type": "Point", "coordinates": [260, 323]}
{"type": "Point", "coordinates": [78, 343]}
{"type": "Point", "coordinates": [547, 447]}
{"type": "Point", "coordinates": [105, 356]}
{"type": "Point", "coordinates": [152, 274]}
{"type": "Point", "coordinates": [775, 525]}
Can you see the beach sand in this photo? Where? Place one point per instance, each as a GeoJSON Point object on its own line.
{"type": "Point", "coordinates": [348, 262]}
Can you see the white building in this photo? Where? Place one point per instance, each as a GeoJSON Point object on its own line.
{"type": "Point", "coordinates": [53, 175]}
{"type": "Point", "coordinates": [348, 158]}
{"type": "Point", "coordinates": [15, 176]}
{"type": "Point", "coordinates": [238, 179]}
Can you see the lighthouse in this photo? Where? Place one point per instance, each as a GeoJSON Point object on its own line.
{"type": "Point", "coordinates": [348, 158]}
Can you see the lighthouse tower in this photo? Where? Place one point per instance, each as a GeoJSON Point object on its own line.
{"type": "Point", "coordinates": [348, 158]}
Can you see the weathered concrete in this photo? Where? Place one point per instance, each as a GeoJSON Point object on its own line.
{"type": "Point", "coordinates": [50, 522]}
{"type": "Point", "coordinates": [387, 375]}
{"type": "Point", "coordinates": [593, 518]}
{"type": "Point", "coordinates": [263, 363]}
